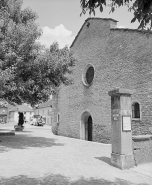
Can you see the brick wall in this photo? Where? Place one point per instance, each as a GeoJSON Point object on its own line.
{"type": "Point", "coordinates": [121, 59]}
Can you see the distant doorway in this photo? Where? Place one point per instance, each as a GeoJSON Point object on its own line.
{"type": "Point", "coordinates": [86, 127]}
{"type": "Point", "coordinates": [89, 123]}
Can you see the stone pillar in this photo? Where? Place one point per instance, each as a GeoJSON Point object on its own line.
{"type": "Point", "coordinates": [122, 150]}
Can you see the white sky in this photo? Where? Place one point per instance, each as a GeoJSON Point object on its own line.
{"type": "Point", "coordinates": [61, 21]}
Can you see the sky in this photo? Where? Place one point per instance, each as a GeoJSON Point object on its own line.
{"type": "Point", "coordinates": [60, 19]}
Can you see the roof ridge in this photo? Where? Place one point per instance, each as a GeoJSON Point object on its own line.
{"type": "Point", "coordinates": [101, 19]}
{"type": "Point", "coordinates": [130, 29]}
{"type": "Point", "coordinates": [24, 107]}
{"type": "Point", "coordinates": [84, 24]}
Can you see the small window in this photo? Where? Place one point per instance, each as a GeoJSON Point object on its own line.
{"type": "Point", "coordinates": [58, 118]}
{"type": "Point", "coordinates": [136, 110]}
{"type": "Point", "coordinates": [88, 75]}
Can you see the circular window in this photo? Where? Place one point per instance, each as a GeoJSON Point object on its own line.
{"type": "Point", "coordinates": [88, 75]}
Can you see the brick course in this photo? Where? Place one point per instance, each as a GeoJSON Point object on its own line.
{"type": "Point", "coordinates": [121, 59]}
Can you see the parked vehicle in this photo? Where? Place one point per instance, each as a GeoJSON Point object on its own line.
{"type": "Point", "coordinates": [38, 120]}
{"type": "Point", "coordinates": [34, 120]}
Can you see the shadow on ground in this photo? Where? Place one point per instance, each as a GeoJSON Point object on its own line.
{"type": "Point", "coordinates": [21, 141]}
{"type": "Point", "coordinates": [60, 180]}
{"type": "Point", "coordinates": [104, 159]}
{"type": "Point", "coordinates": [25, 131]}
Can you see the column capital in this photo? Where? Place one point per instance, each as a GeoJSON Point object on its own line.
{"type": "Point", "coordinates": [120, 91]}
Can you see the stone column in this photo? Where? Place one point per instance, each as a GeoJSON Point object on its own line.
{"type": "Point", "coordinates": [122, 150]}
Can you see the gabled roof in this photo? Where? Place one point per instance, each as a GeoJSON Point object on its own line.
{"type": "Point", "coordinates": [45, 104]}
{"type": "Point", "coordinates": [108, 19]}
{"type": "Point", "coordinates": [20, 108]}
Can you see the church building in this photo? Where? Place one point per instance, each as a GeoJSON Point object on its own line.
{"type": "Point", "coordinates": [107, 58]}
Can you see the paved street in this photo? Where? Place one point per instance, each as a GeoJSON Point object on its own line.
{"type": "Point", "coordinates": [37, 157]}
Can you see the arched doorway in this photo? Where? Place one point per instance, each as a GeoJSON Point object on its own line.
{"type": "Point", "coordinates": [86, 127]}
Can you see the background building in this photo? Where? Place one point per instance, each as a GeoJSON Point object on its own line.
{"type": "Point", "coordinates": [45, 110]}
{"type": "Point", "coordinates": [13, 113]}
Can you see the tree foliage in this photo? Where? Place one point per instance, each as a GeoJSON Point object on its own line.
{"type": "Point", "coordinates": [142, 9]}
{"type": "Point", "coordinates": [28, 71]}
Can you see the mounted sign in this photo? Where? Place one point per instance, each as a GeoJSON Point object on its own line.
{"type": "Point", "coordinates": [126, 123]}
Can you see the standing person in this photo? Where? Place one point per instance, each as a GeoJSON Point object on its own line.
{"type": "Point", "coordinates": [21, 119]}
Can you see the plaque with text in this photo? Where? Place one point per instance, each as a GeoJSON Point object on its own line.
{"type": "Point", "coordinates": [126, 123]}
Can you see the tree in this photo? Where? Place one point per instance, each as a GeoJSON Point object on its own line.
{"type": "Point", "coordinates": [142, 9]}
{"type": "Point", "coordinates": [28, 71]}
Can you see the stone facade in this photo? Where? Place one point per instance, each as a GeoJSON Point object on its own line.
{"type": "Point", "coordinates": [121, 58]}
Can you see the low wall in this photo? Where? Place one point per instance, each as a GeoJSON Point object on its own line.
{"type": "Point", "coordinates": [142, 148]}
